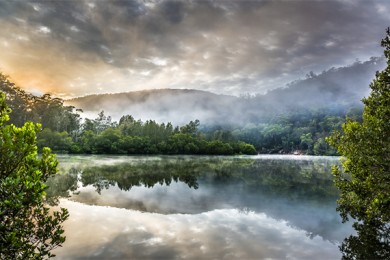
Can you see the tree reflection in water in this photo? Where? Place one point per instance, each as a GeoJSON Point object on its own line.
{"type": "Point", "coordinates": [303, 180]}
{"type": "Point", "coordinates": [261, 185]}
{"type": "Point", "coordinates": [128, 175]}
{"type": "Point", "coordinates": [371, 242]}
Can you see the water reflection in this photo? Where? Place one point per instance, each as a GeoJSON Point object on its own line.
{"type": "Point", "coordinates": [303, 180]}
{"type": "Point", "coordinates": [371, 242]}
{"type": "Point", "coordinates": [234, 203]}
{"type": "Point", "coordinates": [111, 233]}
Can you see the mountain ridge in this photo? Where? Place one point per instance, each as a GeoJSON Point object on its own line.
{"type": "Point", "coordinates": [337, 88]}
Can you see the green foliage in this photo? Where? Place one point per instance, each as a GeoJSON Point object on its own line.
{"type": "Point", "coordinates": [190, 128]}
{"type": "Point", "coordinates": [364, 180]}
{"type": "Point", "coordinates": [132, 136]}
{"type": "Point", "coordinates": [301, 131]}
{"type": "Point", "coordinates": [218, 147]}
{"type": "Point", "coordinates": [137, 137]}
{"type": "Point", "coordinates": [64, 133]}
{"type": "Point", "coordinates": [27, 229]}
{"type": "Point", "coordinates": [307, 139]}
{"type": "Point", "coordinates": [46, 110]}
{"type": "Point", "coordinates": [244, 148]}
{"type": "Point", "coordinates": [59, 142]}
{"type": "Point", "coordinates": [298, 131]}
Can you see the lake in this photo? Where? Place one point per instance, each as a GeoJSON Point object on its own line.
{"type": "Point", "coordinates": [199, 207]}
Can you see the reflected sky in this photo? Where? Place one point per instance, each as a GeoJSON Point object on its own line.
{"type": "Point", "coordinates": [106, 233]}
{"type": "Point", "coordinates": [317, 219]}
{"type": "Point", "coordinates": [242, 207]}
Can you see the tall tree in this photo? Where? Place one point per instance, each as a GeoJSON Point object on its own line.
{"type": "Point", "coordinates": [27, 229]}
{"type": "Point", "coordinates": [364, 181]}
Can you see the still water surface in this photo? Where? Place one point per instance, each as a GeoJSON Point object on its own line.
{"type": "Point", "coordinates": [199, 207]}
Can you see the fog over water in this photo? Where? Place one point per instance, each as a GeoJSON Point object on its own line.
{"type": "Point", "coordinates": [235, 208]}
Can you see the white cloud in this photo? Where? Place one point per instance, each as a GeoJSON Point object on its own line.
{"type": "Point", "coordinates": [215, 234]}
{"type": "Point", "coordinates": [74, 28]}
{"type": "Point", "coordinates": [44, 29]}
{"type": "Point", "coordinates": [157, 61]}
{"type": "Point", "coordinates": [183, 43]}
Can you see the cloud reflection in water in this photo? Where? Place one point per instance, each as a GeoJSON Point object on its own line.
{"type": "Point", "coordinates": [200, 207]}
{"type": "Point", "coordinates": [217, 234]}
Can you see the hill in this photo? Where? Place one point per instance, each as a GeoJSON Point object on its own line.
{"type": "Point", "coordinates": [174, 105]}
{"type": "Point", "coordinates": [341, 88]}
{"type": "Point", "coordinates": [336, 89]}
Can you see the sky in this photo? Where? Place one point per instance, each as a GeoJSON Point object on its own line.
{"type": "Point", "coordinates": [72, 48]}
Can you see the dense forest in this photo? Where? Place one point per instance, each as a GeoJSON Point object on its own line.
{"type": "Point", "coordinates": [301, 131]}
{"type": "Point", "coordinates": [64, 131]}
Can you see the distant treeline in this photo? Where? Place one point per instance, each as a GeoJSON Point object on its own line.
{"type": "Point", "coordinates": [301, 132]}
{"type": "Point", "coordinates": [64, 131]}
{"type": "Point", "coordinates": [130, 136]}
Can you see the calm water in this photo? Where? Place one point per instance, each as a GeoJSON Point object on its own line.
{"type": "Point", "coordinates": [193, 207]}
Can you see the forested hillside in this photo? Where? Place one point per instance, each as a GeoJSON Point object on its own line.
{"type": "Point", "coordinates": [65, 131]}
{"type": "Point", "coordinates": [299, 130]}
{"type": "Point", "coordinates": [337, 90]}
{"type": "Point", "coordinates": [45, 109]}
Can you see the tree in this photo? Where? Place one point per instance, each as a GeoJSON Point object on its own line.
{"type": "Point", "coordinates": [27, 229]}
{"type": "Point", "coordinates": [364, 182]}
{"type": "Point", "coordinates": [58, 142]}
{"type": "Point", "coordinates": [190, 128]}
{"type": "Point", "coordinates": [307, 139]}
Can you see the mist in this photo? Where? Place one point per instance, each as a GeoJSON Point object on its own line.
{"type": "Point", "coordinates": [230, 214]}
{"type": "Point", "coordinates": [337, 89]}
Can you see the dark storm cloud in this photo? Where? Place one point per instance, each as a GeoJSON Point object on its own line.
{"type": "Point", "coordinates": [223, 46]}
{"type": "Point", "coordinates": [173, 10]}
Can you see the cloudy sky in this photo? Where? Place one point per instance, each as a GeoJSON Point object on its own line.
{"type": "Point", "coordinates": [72, 48]}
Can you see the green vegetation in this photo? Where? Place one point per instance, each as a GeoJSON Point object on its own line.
{"type": "Point", "coordinates": [301, 131]}
{"type": "Point", "coordinates": [130, 136]}
{"type": "Point", "coordinates": [27, 229]}
{"type": "Point", "coordinates": [64, 132]}
{"type": "Point", "coordinates": [364, 180]}
{"type": "Point", "coordinates": [49, 112]}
